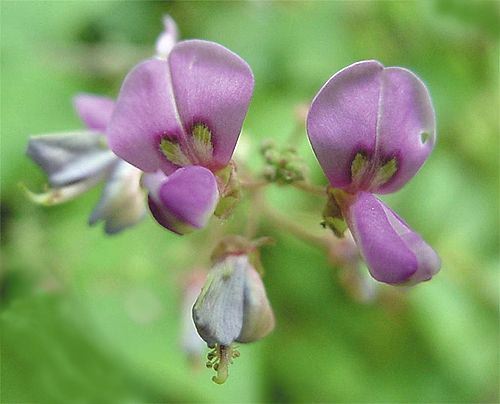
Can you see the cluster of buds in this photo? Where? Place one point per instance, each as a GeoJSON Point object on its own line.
{"type": "Point", "coordinates": [283, 166]}
{"type": "Point", "coordinates": [171, 135]}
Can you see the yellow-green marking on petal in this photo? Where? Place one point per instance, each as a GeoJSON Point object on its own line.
{"type": "Point", "coordinates": [173, 152]}
{"type": "Point", "coordinates": [202, 141]}
{"type": "Point", "coordinates": [385, 173]}
{"type": "Point", "coordinates": [359, 167]}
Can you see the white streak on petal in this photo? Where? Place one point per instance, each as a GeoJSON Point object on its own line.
{"type": "Point", "coordinates": [122, 202]}
{"type": "Point", "coordinates": [71, 157]}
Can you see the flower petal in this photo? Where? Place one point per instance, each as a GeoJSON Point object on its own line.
{"type": "Point", "coordinates": [342, 119]}
{"type": "Point", "coordinates": [393, 252]}
{"type": "Point", "coordinates": [258, 316]}
{"type": "Point", "coordinates": [183, 201]}
{"type": "Point", "coordinates": [191, 342]}
{"type": "Point", "coordinates": [122, 202]}
{"type": "Point", "coordinates": [168, 38]}
{"type": "Point", "coordinates": [94, 110]}
{"type": "Point", "coordinates": [70, 157]}
{"type": "Point", "coordinates": [145, 112]}
{"type": "Point", "coordinates": [218, 311]}
{"type": "Point", "coordinates": [374, 120]}
{"type": "Point", "coordinates": [406, 127]}
{"type": "Point", "coordinates": [212, 86]}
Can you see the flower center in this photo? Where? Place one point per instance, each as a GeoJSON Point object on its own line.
{"type": "Point", "coordinates": [365, 174]}
{"type": "Point", "coordinates": [197, 149]}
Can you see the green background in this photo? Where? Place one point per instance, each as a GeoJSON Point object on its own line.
{"type": "Point", "coordinates": [91, 318]}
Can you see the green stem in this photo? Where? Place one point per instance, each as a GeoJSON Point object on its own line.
{"type": "Point", "coordinates": [253, 219]}
{"type": "Point", "coordinates": [310, 188]}
{"type": "Point", "coordinates": [282, 222]}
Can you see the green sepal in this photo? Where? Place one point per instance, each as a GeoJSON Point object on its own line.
{"type": "Point", "coordinates": [56, 196]}
{"type": "Point", "coordinates": [226, 206]}
{"type": "Point", "coordinates": [335, 224]}
{"type": "Point", "coordinates": [229, 190]}
{"type": "Point", "coordinates": [332, 215]}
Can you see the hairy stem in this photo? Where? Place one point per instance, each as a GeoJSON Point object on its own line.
{"type": "Point", "coordinates": [310, 188]}
{"type": "Point", "coordinates": [253, 219]}
{"type": "Point", "coordinates": [282, 222]}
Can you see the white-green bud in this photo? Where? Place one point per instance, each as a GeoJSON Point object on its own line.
{"type": "Point", "coordinates": [233, 304]}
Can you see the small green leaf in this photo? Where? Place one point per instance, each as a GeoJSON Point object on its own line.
{"type": "Point", "coordinates": [332, 215]}
{"type": "Point", "coordinates": [335, 224]}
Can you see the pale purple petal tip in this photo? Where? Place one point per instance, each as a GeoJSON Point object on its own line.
{"type": "Point", "coordinates": [94, 110]}
{"type": "Point", "coordinates": [183, 201]}
{"type": "Point", "coordinates": [380, 113]}
{"type": "Point", "coordinates": [393, 252]}
{"type": "Point", "coordinates": [212, 86]}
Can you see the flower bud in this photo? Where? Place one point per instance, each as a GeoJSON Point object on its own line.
{"type": "Point", "coordinates": [232, 306]}
{"type": "Point", "coordinates": [168, 38]}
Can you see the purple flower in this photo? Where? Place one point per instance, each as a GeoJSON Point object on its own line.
{"type": "Point", "coordinates": [371, 128]}
{"type": "Point", "coordinates": [77, 161]}
{"type": "Point", "coordinates": [184, 111]}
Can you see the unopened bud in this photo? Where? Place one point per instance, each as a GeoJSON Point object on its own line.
{"type": "Point", "coordinates": [167, 38]}
{"type": "Point", "coordinates": [283, 165]}
{"type": "Point", "coordinates": [232, 306]}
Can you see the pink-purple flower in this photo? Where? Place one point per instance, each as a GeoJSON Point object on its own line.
{"type": "Point", "coordinates": [371, 128]}
{"type": "Point", "coordinates": [178, 119]}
